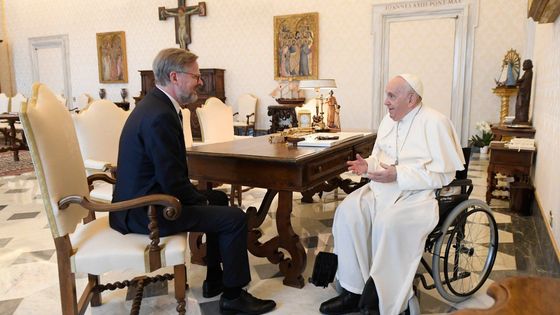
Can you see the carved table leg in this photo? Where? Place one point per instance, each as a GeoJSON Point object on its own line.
{"type": "Point", "coordinates": [293, 267]}
{"type": "Point", "coordinates": [490, 184]}
{"type": "Point", "coordinates": [347, 185]}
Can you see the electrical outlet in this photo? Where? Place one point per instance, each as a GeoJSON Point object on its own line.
{"type": "Point", "coordinates": [550, 218]}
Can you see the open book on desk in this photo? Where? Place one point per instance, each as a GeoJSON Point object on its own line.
{"type": "Point", "coordinates": [328, 139]}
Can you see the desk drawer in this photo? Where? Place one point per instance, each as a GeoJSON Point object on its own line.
{"type": "Point", "coordinates": [511, 157]}
{"type": "Point", "coordinates": [334, 165]}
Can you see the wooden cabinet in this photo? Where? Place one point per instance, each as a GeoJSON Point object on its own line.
{"type": "Point", "coordinates": [282, 117]}
{"type": "Point", "coordinates": [213, 86]}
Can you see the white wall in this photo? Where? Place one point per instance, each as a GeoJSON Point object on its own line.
{"type": "Point", "coordinates": [546, 118]}
{"type": "Point", "coordinates": [237, 36]}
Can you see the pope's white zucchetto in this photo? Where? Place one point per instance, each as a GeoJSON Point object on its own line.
{"type": "Point", "coordinates": [414, 82]}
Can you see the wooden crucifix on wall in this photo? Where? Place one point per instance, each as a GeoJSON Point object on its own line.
{"type": "Point", "coordinates": [182, 15]}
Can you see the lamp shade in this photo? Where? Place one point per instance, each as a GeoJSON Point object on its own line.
{"type": "Point", "coordinates": [317, 84]}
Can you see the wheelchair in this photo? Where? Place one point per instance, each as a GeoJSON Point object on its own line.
{"type": "Point", "coordinates": [464, 243]}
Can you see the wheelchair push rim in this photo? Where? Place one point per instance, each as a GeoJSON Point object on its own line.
{"type": "Point", "coordinates": [465, 254]}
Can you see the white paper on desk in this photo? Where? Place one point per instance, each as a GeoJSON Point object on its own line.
{"type": "Point", "coordinates": [312, 141]}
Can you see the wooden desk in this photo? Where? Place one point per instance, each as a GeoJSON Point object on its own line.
{"type": "Point", "coordinates": [14, 144]}
{"type": "Point", "coordinates": [509, 162]}
{"type": "Point", "coordinates": [281, 169]}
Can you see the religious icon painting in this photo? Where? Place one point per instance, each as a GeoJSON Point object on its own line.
{"type": "Point", "coordinates": [111, 57]}
{"type": "Point", "coordinates": [296, 46]}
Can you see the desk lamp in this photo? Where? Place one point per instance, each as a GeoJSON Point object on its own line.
{"type": "Point", "coordinates": [317, 85]}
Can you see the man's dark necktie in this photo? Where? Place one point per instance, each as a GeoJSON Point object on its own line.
{"type": "Point", "coordinates": [181, 117]}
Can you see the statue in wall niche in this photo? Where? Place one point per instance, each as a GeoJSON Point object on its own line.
{"type": "Point", "coordinates": [524, 94]}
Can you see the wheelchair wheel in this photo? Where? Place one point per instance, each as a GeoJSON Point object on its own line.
{"type": "Point", "coordinates": [464, 255]}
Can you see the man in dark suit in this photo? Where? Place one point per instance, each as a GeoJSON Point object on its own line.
{"type": "Point", "coordinates": [152, 159]}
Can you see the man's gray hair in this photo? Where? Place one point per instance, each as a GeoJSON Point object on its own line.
{"type": "Point", "coordinates": [171, 59]}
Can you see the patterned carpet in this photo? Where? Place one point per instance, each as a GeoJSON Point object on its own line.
{"type": "Point", "coordinates": [10, 167]}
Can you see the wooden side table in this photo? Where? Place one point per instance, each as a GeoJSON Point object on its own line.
{"type": "Point", "coordinates": [500, 131]}
{"type": "Point", "coordinates": [509, 162]}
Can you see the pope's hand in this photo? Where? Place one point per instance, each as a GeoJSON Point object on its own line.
{"type": "Point", "coordinates": [358, 166]}
{"type": "Point", "coordinates": [387, 175]}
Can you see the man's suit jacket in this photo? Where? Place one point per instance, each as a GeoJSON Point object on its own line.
{"type": "Point", "coordinates": [152, 160]}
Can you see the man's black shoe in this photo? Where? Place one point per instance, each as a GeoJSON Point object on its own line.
{"type": "Point", "coordinates": [212, 288]}
{"type": "Point", "coordinates": [369, 303]}
{"type": "Point", "coordinates": [346, 302]}
{"type": "Point", "coordinates": [246, 304]}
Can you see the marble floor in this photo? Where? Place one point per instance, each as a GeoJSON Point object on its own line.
{"type": "Point", "coordinates": [28, 272]}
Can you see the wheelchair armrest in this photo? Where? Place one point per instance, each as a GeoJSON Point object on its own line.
{"type": "Point", "coordinates": [460, 182]}
{"type": "Point", "coordinates": [465, 184]}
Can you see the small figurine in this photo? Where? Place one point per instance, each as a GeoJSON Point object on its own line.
{"type": "Point", "coordinates": [524, 94]}
{"type": "Point", "coordinates": [333, 113]}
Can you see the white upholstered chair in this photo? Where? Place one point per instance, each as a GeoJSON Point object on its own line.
{"type": "Point", "coordinates": [215, 121]}
{"type": "Point", "coordinates": [82, 101]}
{"type": "Point", "coordinates": [245, 116]}
{"type": "Point", "coordinates": [61, 99]}
{"type": "Point", "coordinates": [92, 248]}
{"type": "Point", "coordinates": [216, 126]}
{"type": "Point", "coordinates": [16, 102]}
{"type": "Point", "coordinates": [98, 128]}
{"type": "Point", "coordinates": [4, 103]}
{"type": "Point", "coordinates": [15, 107]}
{"type": "Point", "coordinates": [187, 132]}
{"type": "Point", "coordinates": [4, 108]}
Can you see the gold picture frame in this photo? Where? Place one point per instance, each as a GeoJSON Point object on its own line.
{"type": "Point", "coordinates": [296, 46]}
{"type": "Point", "coordinates": [111, 57]}
{"type": "Point", "coordinates": [304, 119]}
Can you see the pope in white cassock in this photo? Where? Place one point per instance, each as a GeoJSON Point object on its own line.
{"type": "Point", "coordinates": [380, 229]}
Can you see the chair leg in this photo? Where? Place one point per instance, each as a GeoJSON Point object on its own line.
{"type": "Point", "coordinates": [232, 196]}
{"type": "Point", "coordinates": [66, 278]}
{"type": "Point", "coordinates": [235, 192]}
{"type": "Point", "coordinates": [180, 288]}
{"type": "Point", "coordinates": [96, 296]}
{"type": "Point", "coordinates": [239, 191]}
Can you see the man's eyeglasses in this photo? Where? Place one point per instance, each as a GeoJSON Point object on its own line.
{"type": "Point", "coordinates": [195, 76]}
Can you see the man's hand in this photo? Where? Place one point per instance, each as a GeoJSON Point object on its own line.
{"type": "Point", "coordinates": [358, 166]}
{"type": "Point", "coordinates": [387, 175]}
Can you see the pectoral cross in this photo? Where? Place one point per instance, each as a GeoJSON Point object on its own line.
{"type": "Point", "coordinates": [182, 15]}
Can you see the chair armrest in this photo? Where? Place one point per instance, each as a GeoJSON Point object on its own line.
{"type": "Point", "coordinates": [236, 113]}
{"type": "Point", "coordinates": [102, 166]}
{"type": "Point", "coordinates": [249, 116]}
{"type": "Point", "coordinates": [101, 176]}
{"type": "Point", "coordinates": [171, 211]}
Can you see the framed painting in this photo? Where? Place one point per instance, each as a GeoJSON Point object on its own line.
{"type": "Point", "coordinates": [296, 46]}
{"type": "Point", "coordinates": [111, 57]}
{"type": "Point", "coordinates": [304, 119]}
